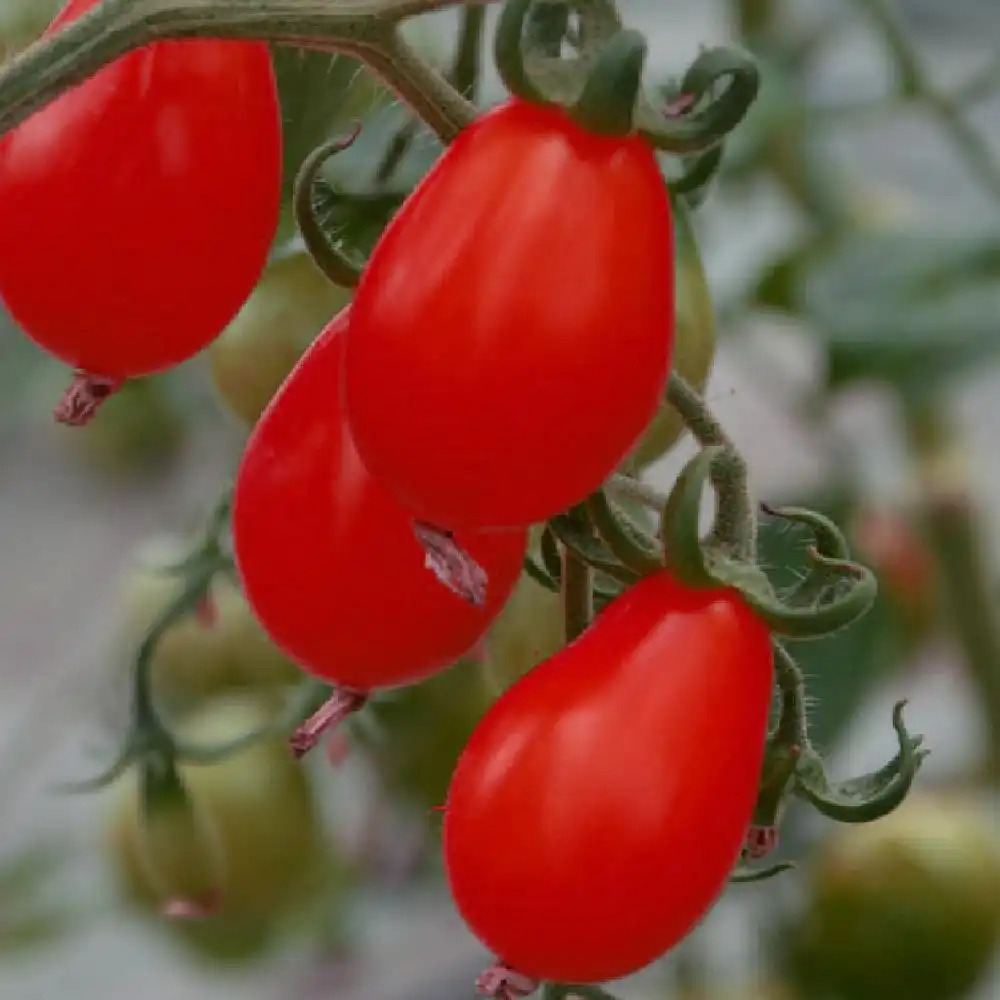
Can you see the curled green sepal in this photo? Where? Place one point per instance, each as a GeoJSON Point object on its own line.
{"type": "Point", "coordinates": [852, 587]}
{"type": "Point", "coordinates": [695, 131]}
{"type": "Point", "coordinates": [548, 547]}
{"type": "Point", "coordinates": [626, 540]}
{"type": "Point", "coordinates": [742, 874]}
{"type": "Point", "coordinates": [577, 536]}
{"type": "Point", "coordinates": [607, 104]}
{"type": "Point", "coordinates": [680, 528]}
{"type": "Point", "coordinates": [828, 541]}
{"type": "Point", "coordinates": [869, 796]}
{"type": "Point", "coordinates": [699, 172]}
{"type": "Point", "coordinates": [329, 259]}
{"type": "Point", "coordinates": [539, 574]}
{"type": "Point", "coordinates": [544, 28]}
{"type": "Point", "coordinates": [508, 51]}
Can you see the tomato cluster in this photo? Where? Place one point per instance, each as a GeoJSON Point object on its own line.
{"type": "Point", "coordinates": [506, 348]}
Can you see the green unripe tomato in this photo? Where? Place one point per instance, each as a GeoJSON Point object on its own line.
{"type": "Point", "coordinates": [259, 804]}
{"type": "Point", "coordinates": [529, 629]}
{"type": "Point", "coordinates": [417, 732]}
{"type": "Point", "coordinates": [694, 340]}
{"type": "Point", "coordinates": [177, 844]}
{"type": "Point", "coordinates": [292, 302]}
{"type": "Point", "coordinates": [907, 906]}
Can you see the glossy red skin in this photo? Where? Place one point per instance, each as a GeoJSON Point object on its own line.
{"type": "Point", "coordinates": [512, 334]}
{"type": "Point", "coordinates": [138, 208]}
{"type": "Point", "coordinates": [328, 558]}
{"type": "Point", "coordinates": [601, 803]}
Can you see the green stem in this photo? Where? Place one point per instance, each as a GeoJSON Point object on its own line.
{"type": "Point", "coordinates": [735, 525]}
{"type": "Point", "coordinates": [364, 29]}
{"type": "Point", "coordinates": [792, 728]}
{"type": "Point", "coordinates": [955, 537]}
{"type": "Point", "coordinates": [627, 488]}
{"type": "Point", "coordinates": [577, 595]}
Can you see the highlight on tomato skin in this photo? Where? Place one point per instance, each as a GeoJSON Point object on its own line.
{"type": "Point", "coordinates": [499, 370]}
{"type": "Point", "coordinates": [139, 206]}
{"type": "Point", "coordinates": [329, 560]}
{"type": "Point", "coordinates": [602, 801]}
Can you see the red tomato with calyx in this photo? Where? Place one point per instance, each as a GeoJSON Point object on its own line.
{"type": "Point", "coordinates": [329, 560]}
{"type": "Point", "coordinates": [139, 207]}
{"type": "Point", "coordinates": [511, 337]}
{"type": "Point", "coordinates": [602, 801]}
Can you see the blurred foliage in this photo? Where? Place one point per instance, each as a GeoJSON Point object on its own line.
{"type": "Point", "coordinates": [416, 733]}
{"type": "Point", "coordinates": [906, 907]}
{"type": "Point", "coordinates": [292, 302]}
{"type": "Point", "coordinates": [29, 920]}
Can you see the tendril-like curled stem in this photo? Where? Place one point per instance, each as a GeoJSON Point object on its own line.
{"type": "Point", "coordinates": [328, 258]}
{"type": "Point", "coordinates": [701, 128]}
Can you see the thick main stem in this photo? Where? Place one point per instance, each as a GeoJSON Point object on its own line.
{"type": "Point", "coordinates": [365, 29]}
{"type": "Point", "coordinates": [966, 585]}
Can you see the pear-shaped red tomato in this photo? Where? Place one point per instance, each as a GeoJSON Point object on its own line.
{"type": "Point", "coordinates": [512, 334]}
{"type": "Point", "coordinates": [602, 801]}
{"type": "Point", "coordinates": [328, 557]}
{"type": "Point", "coordinates": [139, 206]}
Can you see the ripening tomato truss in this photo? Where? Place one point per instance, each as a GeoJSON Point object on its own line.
{"type": "Point", "coordinates": [601, 803]}
{"type": "Point", "coordinates": [329, 560]}
{"type": "Point", "coordinates": [139, 207]}
{"type": "Point", "coordinates": [511, 336]}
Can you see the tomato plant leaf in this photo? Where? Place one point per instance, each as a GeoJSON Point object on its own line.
{"type": "Point", "coordinates": [911, 308]}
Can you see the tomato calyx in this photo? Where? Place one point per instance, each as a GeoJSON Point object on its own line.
{"type": "Point", "coordinates": [451, 564]}
{"type": "Point", "coordinates": [599, 88]}
{"type": "Point", "coordinates": [325, 719]}
{"type": "Point", "coordinates": [835, 592]}
{"type": "Point", "coordinates": [501, 982]}
{"type": "Point", "coordinates": [84, 396]}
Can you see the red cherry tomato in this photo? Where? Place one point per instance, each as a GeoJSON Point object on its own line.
{"type": "Point", "coordinates": [138, 208]}
{"type": "Point", "coordinates": [512, 335]}
{"type": "Point", "coordinates": [329, 560]}
{"type": "Point", "coordinates": [601, 803]}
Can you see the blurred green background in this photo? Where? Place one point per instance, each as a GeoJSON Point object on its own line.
{"type": "Point", "coordinates": [852, 251]}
